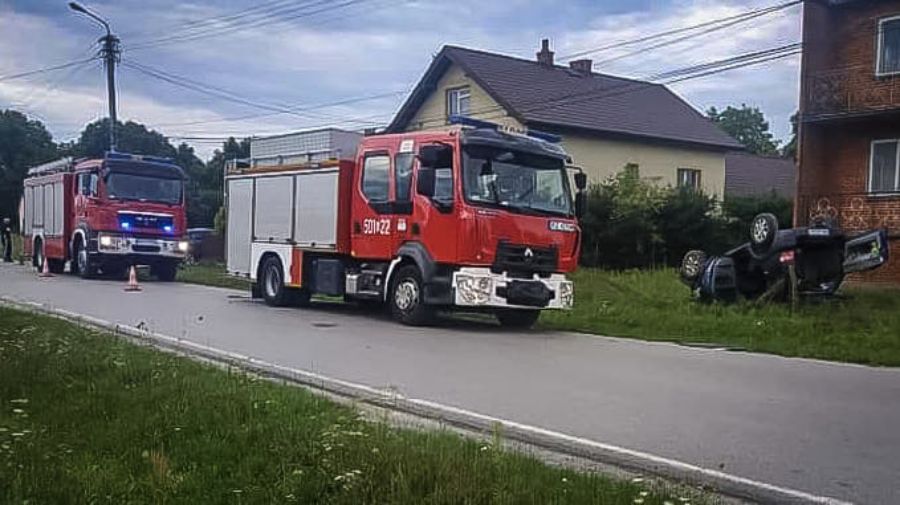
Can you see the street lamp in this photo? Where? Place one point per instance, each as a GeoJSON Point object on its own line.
{"type": "Point", "coordinates": [110, 54]}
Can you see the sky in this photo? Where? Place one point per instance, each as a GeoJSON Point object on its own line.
{"type": "Point", "coordinates": [364, 55]}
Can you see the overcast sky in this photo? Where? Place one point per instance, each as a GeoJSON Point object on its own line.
{"type": "Point", "coordinates": [305, 53]}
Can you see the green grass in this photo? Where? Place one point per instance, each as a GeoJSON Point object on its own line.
{"type": "Point", "coordinates": [89, 418]}
{"type": "Point", "coordinates": [210, 274]}
{"type": "Point", "coordinates": [860, 326]}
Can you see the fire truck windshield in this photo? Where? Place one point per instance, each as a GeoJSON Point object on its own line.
{"type": "Point", "coordinates": [125, 186]}
{"type": "Point", "coordinates": [523, 182]}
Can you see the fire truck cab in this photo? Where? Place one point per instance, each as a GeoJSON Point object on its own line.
{"type": "Point", "coordinates": [467, 218]}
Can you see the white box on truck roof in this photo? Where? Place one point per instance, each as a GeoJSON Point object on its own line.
{"type": "Point", "coordinates": [303, 147]}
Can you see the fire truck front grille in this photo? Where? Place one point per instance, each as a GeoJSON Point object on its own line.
{"type": "Point", "coordinates": [145, 248]}
{"type": "Point", "coordinates": [524, 259]}
{"type": "Point", "coordinates": [129, 221]}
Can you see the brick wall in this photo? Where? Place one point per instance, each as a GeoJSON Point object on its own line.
{"type": "Point", "coordinates": [844, 106]}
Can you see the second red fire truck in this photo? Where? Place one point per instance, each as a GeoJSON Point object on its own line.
{"type": "Point", "coordinates": [471, 218]}
{"type": "Point", "coordinates": [104, 215]}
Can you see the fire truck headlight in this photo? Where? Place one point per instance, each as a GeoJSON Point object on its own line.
{"type": "Point", "coordinates": [183, 246]}
{"type": "Point", "coordinates": [106, 241]}
{"type": "Point", "coordinates": [474, 290]}
{"type": "Point", "coordinates": [566, 294]}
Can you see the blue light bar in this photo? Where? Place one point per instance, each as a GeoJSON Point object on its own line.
{"type": "Point", "coordinates": [479, 123]}
{"type": "Point", "coordinates": [138, 157]}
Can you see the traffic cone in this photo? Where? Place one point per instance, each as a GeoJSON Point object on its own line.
{"type": "Point", "coordinates": [45, 270]}
{"type": "Point", "coordinates": [132, 280]}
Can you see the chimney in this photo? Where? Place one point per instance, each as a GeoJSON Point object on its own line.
{"type": "Point", "coordinates": [545, 56]}
{"type": "Point", "coordinates": [583, 66]}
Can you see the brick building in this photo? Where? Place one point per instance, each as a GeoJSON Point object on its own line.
{"type": "Point", "coordinates": [849, 157]}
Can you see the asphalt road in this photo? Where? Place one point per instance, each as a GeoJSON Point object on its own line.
{"type": "Point", "coordinates": [822, 428]}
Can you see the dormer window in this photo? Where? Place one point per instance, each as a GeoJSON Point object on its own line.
{"type": "Point", "coordinates": [458, 101]}
{"type": "Point", "coordinates": [888, 46]}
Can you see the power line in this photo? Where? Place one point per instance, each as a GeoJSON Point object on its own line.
{"type": "Point", "coordinates": [294, 13]}
{"type": "Point", "coordinates": [193, 24]}
{"type": "Point", "coordinates": [683, 38]}
{"type": "Point", "coordinates": [748, 14]}
{"type": "Point", "coordinates": [211, 90]}
{"type": "Point", "coordinates": [44, 70]}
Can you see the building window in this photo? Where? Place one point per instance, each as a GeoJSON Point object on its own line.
{"type": "Point", "coordinates": [884, 166]}
{"type": "Point", "coordinates": [889, 46]}
{"type": "Point", "coordinates": [376, 178]}
{"type": "Point", "coordinates": [458, 102]}
{"type": "Point", "coordinates": [689, 178]}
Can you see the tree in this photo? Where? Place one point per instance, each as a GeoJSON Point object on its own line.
{"type": "Point", "coordinates": [215, 169]}
{"type": "Point", "coordinates": [748, 126]}
{"type": "Point", "coordinates": [790, 149]}
{"type": "Point", "coordinates": [23, 144]}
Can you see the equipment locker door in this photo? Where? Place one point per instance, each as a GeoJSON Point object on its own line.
{"type": "Point", "coordinates": [239, 225]}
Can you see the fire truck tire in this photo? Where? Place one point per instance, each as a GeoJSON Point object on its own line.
{"type": "Point", "coordinates": [271, 283]}
{"type": "Point", "coordinates": [517, 318]}
{"type": "Point", "coordinates": [37, 257]}
{"type": "Point", "coordinates": [82, 262]}
{"type": "Point", "coordinates": [165, 272]}
{"type": "Point", "coordinates": [406, 298]}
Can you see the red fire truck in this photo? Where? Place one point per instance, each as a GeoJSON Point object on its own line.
{"type": "Point", "coordinates": [471, 218]}
{"type": "Point", "coordinates": [104, 215]}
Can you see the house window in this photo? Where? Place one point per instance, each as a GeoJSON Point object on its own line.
{"type": "Point", "coordinates": [688, 178]}
{"type": "Point", "coordinates": [884, 167]}
{"type": "Point", "coordinates": [889, 46]}
{"type": "Point", "coordinates": [458, 102]}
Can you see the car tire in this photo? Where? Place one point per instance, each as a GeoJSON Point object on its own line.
{"type": "Point", "coordinates": [521, 319]}
{"type": "Point", "coordinates": [692, 266]}
{"type": "Point", "coordinates": [271, 283]}
{"type": "Point", "coordinates": [763, 230]}
{"type": "Point", "coordinates": [407, 298]}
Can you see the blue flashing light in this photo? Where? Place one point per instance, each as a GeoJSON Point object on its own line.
{"type": "Point", "coordinates": [479, 123]}
{"type": "Point", "coordinates": [138, 157]}
{"type": "Point", "coordinates": [126, 225]}
{"type": "Point", "coordinates": [167, 228]}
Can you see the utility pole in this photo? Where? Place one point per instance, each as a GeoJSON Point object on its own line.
{"type": "Point", "coordinates": [110, 53]}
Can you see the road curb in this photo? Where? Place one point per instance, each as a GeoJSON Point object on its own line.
{"type": "Point", "coordinates": [721, 482]}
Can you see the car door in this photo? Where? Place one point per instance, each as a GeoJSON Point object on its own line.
{"type": "Point", "coordinates": [866, 252]}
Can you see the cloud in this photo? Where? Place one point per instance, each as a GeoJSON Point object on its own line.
{"type": "Point", "coordinates": [374, 47]}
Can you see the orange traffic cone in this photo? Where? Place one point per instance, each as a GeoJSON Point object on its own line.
{"type": "Point", "coordinates": [132, 280]}
{"type": "Point", "coordinates": [45, 270]}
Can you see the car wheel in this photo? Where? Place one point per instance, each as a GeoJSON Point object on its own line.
{"type": "Point", "coordinates": [271, 283]}
{"type": "Point", "coordinates": [407, 298]}
{"type": "Point", "coordinates": [517, 318]}
{"type": "Point", "coordinates": [763, 230]}
{"type": "Point", "coordinates": [691, 266]}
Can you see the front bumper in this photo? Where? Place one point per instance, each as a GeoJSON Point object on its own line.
{"type": "Point", "coordinates": [480, 287]}
{"type": "Point", "coordinates": [152, 247]}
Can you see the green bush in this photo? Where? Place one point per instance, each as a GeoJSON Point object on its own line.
{"type": "Point", "coordinates": [632, 223]}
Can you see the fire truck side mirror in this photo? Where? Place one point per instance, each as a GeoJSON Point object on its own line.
{"type": "Point", "coordinates": [581, 181]}
{"type": "Point", "coordinates": [425, 181]}
{"type": "Point", "coordinates": [580, 204]}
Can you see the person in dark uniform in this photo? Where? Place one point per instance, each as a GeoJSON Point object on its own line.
{"type": "Point", "coordinates": [7, 240]}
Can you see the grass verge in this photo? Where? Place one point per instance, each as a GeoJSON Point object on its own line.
{"type": "Point", "coordinates": [210, 274]}
{"type": "Point", "coordinates": [860, 326]}
{"type": "Point", "coordinates": [88, 418]}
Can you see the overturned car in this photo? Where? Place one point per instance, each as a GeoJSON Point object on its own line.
{"type": "Point", "coordinates": [781, 264]}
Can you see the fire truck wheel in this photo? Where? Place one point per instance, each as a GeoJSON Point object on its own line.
{"type": "Point", "coordinates": [165, 272]}
{"type": "Point", "coordinates": [271, 283]}
{"type": "Point", "coordinates": [406, 298]}
{"type": "Point", "coordinates": [37, 258]}
{"type": "Point", "coordinates": [83, 264]}
{"type": "Point", "coordinates": [517, 318]}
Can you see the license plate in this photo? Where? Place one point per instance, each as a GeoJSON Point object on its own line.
{"type": "Point", "coordinates": [819, 232]}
